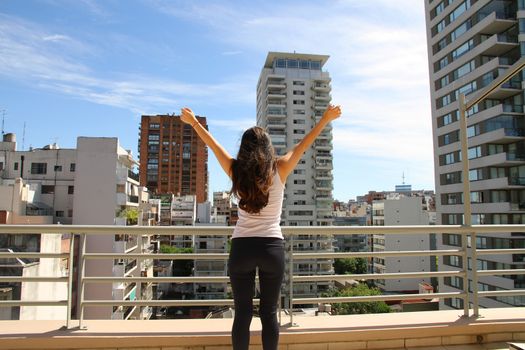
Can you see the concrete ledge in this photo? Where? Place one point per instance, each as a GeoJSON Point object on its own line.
{"type": "Point", "coordinates": [379, 331]}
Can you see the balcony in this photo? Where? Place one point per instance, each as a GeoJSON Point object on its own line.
{"type": "Point", "coordinates": [369, 331]}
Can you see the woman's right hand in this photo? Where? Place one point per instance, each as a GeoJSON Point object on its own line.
{"type": "Point", "coordinates": [187, 116]}
{"type": "Point", "coordinates": [332, 112]}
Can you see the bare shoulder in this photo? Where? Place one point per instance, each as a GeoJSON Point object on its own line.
{"type": "Point", "coordinates": [282, 169]}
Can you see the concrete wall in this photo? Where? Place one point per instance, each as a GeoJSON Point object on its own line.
{"type": "Point", "coordinates": [95, 204]}
{"type": "Point", "coordinates": [406, 211]}
{"type": "Point", "coordinates": [49, 243]}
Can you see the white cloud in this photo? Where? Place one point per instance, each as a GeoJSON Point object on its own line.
{"type": "Point", "coordinates": [28, 55]}
{"type": "Point", "coordinates": [56, 37]}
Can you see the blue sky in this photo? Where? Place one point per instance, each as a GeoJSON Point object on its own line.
{"type": "Point", "coordinates": [73, 68]}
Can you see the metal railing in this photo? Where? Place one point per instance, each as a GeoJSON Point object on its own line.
{"type": "Point", "coordinates": [75, 232]}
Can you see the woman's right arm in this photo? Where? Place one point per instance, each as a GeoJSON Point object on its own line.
{"type": "Point", "coordinates": [224, 158]}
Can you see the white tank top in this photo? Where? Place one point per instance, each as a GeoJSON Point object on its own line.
{"type": "Point", "coordinates": [265, 223]}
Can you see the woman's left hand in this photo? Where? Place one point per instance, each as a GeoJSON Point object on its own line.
{"type": "Point", "coordinates": [187, 116]}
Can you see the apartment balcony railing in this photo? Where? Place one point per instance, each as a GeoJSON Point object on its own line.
{"type": "Point", "coordinates": [470, 298]}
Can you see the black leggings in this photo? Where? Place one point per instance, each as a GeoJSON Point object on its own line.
{"type": "Point", "coordinates": [247, 254]}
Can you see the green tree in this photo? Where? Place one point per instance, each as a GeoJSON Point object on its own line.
{"type": "Point", "coordinates": [131, 215]}
{"type": "Point", "coordinates": [368, 307]}
{"type": "Point", "coordinates": [180, 267]}
{"type": "Point", "coordinates": [350, 266]}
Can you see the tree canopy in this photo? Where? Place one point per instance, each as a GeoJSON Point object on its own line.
{"type": "Point", "coordinates": [360, 289]}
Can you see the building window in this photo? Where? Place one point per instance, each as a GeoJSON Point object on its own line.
{"type": "Point", "coordinates": [298, 92]}
{"type": "Point", "coordinates": [299, 111]}
{"type": "Point", "coordinates": [72, 167]}
{"type": "Point", "coordinates": [474, 152]}
{"type": "Point", "coordinates": [70, 213]}
{"type": "Point", "coordinates": [453, 260]}
{"type": "Point", "coordinates": [39, 168]}
{"type": "Point", "coordinates": [154, 126]}
{"type": "Point", "coordinates": [298, 83]}
{"type": "Point", "coordinates": [70, 189]}
{"type": "Point", "coordinates": [16, 166]}
{"type": "Point", "coordinates": [59, 213]}
{"type": "Point", "coordinates": [58, 168]}
{"type": "Point", "coordinates": [47, 189]}
{"type": "Point", "coordinates": [475, 174]}
{"type": "Point", "coordinates": [298, 102]}
{"type": "Point", "coordinates": [452, 239]}
{"type": "Point", "coordinates": [299, 121]}
{"type": "Point", "coordinates": [299, 131]}
{"type": "Point", "coordinates": [299, 182]}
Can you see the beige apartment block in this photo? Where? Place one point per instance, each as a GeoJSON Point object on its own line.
{"type": "Point", "coordinates": [470, 44]}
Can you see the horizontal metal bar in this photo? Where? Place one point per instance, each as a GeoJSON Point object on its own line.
{"type": "Point", "coordinates": [501, 272]}
{"type": "Point", "coordinates": [502, 293]}
{"type": "Point", "coordinates": [206, 302]}
{"type": "Point", "coordinates": [12, 303]}
{"type": "Point", "coordinates": [32, 255]}
{"type": "Point", "coordinates": [227, 231]}
{"type": "Point", "coordinates": [375, 276]}
{"type": "Point", "coordinates": [200, 279]}
{"type": "Point", "coordinates": [425, 296]}
{"type": "Point", "coordinates": [4, 279]}
{"type": "Point", "coordinates": [500, 251]}
{"type": "Point", "coordinates": [299, 256]}
{"type": "Point", "coordinates": [174, 256]}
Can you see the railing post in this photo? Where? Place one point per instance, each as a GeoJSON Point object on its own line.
{"type": "Point", "coordinates": [467, 210]}
{"type": "Point", "coordinates": [475, 296]}
{"type": "Point", "coordinates": [82, 273]}
{"type": "Point", "coordinates": [70, 279]}
{"type": "Point", "coordinates": [290, 282]}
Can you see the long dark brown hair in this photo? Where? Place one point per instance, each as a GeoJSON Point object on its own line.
{"type": "Point", "coordinates": [252, 171]}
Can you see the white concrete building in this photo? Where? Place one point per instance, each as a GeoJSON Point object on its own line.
{"type": "Point", "coordinates": [292, 94]}
{"type": "Point", "coordinates": [106, 193]}
{"type": "Point", "coordinates": [401, 211]}
{"type": "Point", "coordinates": [15, 197]}
{"type": "Point", "coordinates": [50, 173]}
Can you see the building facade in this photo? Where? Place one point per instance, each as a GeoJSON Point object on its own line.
{"type": "Point", "coordinates": [471, 43]}
{"type": "Point", "coordinates": [399, 211]}
{"type": "Point", "coordinates": [293, 92]}
{"type": "Point", "coordinates": [107, 193]}
{"type": "Point", "coordinates": [173, 159]}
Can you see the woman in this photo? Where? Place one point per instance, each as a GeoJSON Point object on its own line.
{"type": "Point", "coordinates": [258, 179]}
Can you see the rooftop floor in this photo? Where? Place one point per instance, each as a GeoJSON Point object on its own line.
{"type": "Point", "coordinates": [426, 330]}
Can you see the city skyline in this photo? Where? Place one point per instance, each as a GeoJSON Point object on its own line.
{"type": "Point", "coordinates": [104, 64]}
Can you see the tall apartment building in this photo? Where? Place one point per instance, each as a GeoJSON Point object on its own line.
{"type": "Point", "coordinates": [471, 43]}
{"type": "Point", "coordinates": [292, 94]}
{"type": "Point", "coordinates": [173, 159]}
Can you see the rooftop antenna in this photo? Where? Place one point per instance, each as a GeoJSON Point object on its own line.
{"type": "Point", "coordinates": [3, 121]}
{"type": "Point", "coordinates": [24, 136]}
{"type": "Point", "coordinates": [403, 178]}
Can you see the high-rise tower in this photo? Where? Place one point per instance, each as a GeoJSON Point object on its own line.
{"type": "Point", "coordinates": [292, 94]}
{"type": "Point", "coordinates": [471, 43]}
